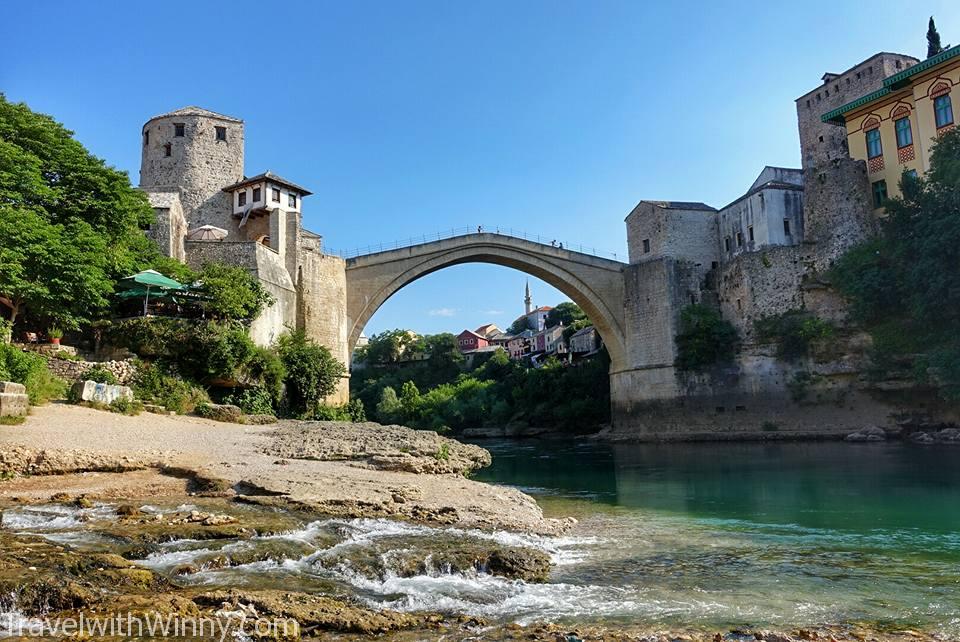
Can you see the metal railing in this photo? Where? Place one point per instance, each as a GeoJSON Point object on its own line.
{"type": "Point", "coordinates": [468, 231]}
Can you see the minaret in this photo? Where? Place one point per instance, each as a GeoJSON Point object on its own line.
{"type": "Point", "coordinates": [528, 301]}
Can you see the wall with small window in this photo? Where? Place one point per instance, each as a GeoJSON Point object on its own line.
{"type": "Point", "coordinates": [766, 216]}
{"type": "Point", "coordinates": [687, 232]}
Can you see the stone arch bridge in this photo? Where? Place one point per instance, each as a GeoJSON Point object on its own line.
{"type": "Point", "coordinates": [595, 284]}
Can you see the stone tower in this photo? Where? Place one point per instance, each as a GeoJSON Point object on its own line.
{"type": "Point", "coordinates": [194, 153]}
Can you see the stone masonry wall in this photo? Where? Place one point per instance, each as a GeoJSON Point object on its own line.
{"type": "Point", "coordinates": [268, 267]}
{"type": "Point", "coordinates": [124, 370]}
{"type": "Point", "coordinates": [322, 307]}
{"type": "Point", "coordinates": [683, 234]}
{"type": "Point", "coordinates": [822, 142]}
{"type": "Point", "coordinates": [199, 166]}
{"type": "Point", "coordinates": [837, 209]}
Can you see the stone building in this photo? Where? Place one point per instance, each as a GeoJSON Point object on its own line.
{"type": "Point", "coordinates": [821, 141]}
{"type": "Point", "coordinates": [192, 170]}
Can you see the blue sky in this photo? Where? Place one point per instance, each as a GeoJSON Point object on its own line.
{"type": "Point", "coordinates": [405, 118]}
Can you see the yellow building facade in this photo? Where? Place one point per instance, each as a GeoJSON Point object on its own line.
{"type": "Point", "coordinates": [894, 128]}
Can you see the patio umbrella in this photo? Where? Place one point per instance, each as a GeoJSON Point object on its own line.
{"type": "Point", "coordinates": [207, 233]}
{"type": "Point", "coordinates": [142, 282]}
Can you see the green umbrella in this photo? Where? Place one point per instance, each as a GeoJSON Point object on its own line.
{"type": "Point", "coordinates": [141, 283]}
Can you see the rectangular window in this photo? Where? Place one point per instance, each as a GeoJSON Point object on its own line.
{"type": "Point", "coordinates": [178, 130]}
{"type": "Point", "coordinates": [943, 110]}
{"type": "Point", "coordinates": [646, 246]}
{"type": "Point", "coordinates": [879, 193]}
{"type": "Point", "coordinates": [275, 195]}
{"type": "Point", "coordinates": [786, 226]}
{"type": "Point", "coordinates": [256, 194]}
{"type": "Point", "coordinates": [221, 133]}
{"type": "Point", "coordinates": [242, 198]}
{"type": "Point", "coordinates": [874, 148]}
{"type": "Point", "coordinates": [726, 244]}
{"type": "Point", "coordinates": [904, 135]}
{"type": "Point", "coordinates": [739, 239]}
{"type": "Point", "coordinates": [750, 232]}
{"type": "Point", "coordinates": [146, 138]}
{"type": "Point", "coordinates": [167, 149]}
{"type": "Point", "coordinates": [291, 200]}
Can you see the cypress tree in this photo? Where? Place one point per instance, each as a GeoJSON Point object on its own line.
{"type": "Point", "coordinates": [933, 39]}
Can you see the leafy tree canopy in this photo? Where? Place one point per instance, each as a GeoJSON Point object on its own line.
{"type": "Point", "coordinates": [71, 224]}
{"type": "Point", "coordinates": [902, 285]}
{"type": "Point", "coordinates": [386, 347]}
{"type": "Point", "coordinates": [231, 292]}
{"type": "Point", "coordinates": [312, 373]}
{"type": "Point", "coordinates": [566, 313]}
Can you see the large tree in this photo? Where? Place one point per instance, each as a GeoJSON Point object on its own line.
{"type": "Point", "coordinates": [70, 224]}
{"type": "Point", "coordinates": [903, 284]}
{"type": "Point", "coordinates": [566, 313]}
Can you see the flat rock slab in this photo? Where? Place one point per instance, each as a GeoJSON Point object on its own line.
{"type": "Point", "coordinates": [100, 392]}
{"type": "Point", "coordinates": [14, 401]}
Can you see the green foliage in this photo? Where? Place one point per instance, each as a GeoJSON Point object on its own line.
{"type": "Point", "coordinates": [31, 370]}
{"type": "Point", "coordinates": [352, 412]}
{"type": "Point", "coordinates": [386, 347]}
{"type": "Point", "coordinates": [231, 293]}
{"type": "Point", "coordinates": [100, 374]}
{"type": "Point", "coordinates": [903, 285]}
{"type": "Point", "coordinates": [499, 391]}
{"type": "Point", "coordinates": [253, 401]}
{"type": "Point", "coordinates": [71, 226]}
{"type": "Point", "coordinates": [443, 452]}
{"type": "Point", "coordinates": [312, 372]}
{"type": "Point", "coordinates": [125, 406]}
{"type": "Point", "coordinates": [794, 332]}
{"type": "Point", "coordinates": [10, 420]}
{"type": "Point", "coordinates": [566, 313]}
{"type": "Point", "coordinates": [705, 338]}
{"type": "Point", "coordinates": [153, 385]}
{"type": "Point", "coordinates": [518, 326]}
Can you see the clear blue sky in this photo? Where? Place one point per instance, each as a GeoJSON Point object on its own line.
{"type": "Point", "coordinates": [406, 118]}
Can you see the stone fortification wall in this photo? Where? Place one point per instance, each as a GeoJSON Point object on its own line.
{"type": "Point", "coordinates": [268, 267]}
{"type": "Point", "coordinates": [761, 284]}
{"type": "Point", "coordinates": [838, 209]}
{"type": "Point", "coordinates": [322, 308]}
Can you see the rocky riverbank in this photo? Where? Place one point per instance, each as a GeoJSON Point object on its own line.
{"type": "Point", "coordinates": [339, 469]}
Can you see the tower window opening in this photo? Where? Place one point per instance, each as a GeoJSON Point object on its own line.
{"type": "Point", "coordinates": [178, 130]}
{"type": "Point", "coordinates": [242, 198]}
{"type": "Point", "coordinates": [739, 239]}
{"type": "Point", "coordinates": [646, 246]}
{"type": "Point", "coordinates": [291, 200]}
{"type": "Point", "coordinates": [167, 149]}
{"type": "Point", "coordinates": [146, 138]}
{"type": "Point", "coordinates": [221, 133]}
{"type": "Point", "coordinates": [750, 231]}
{"type": "Point", "coordinates": [275, 195]}
{"type": "Point", "coordinates": [786, 226]}
{"type": "Point", "coordinates": [256, 194]}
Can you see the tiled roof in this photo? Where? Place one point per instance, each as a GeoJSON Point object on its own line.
{"type": "Point", "coordinates": [267, 176]}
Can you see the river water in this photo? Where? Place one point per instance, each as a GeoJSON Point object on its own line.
{"type": "Point", "coordinates": [784, 534]}
{"type": "Point", "coordinates": [710, 536]}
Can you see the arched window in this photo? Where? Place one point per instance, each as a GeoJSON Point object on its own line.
{"type": "Point", "coordinates": [874, 147]}
{"type": "Point", "coordinates": [943, 110]}
{"type": "Point", "coordinates": [904, 134]}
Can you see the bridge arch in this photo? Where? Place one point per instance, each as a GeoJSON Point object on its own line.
{"type": "Point", "coordinates": [593, 283]}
